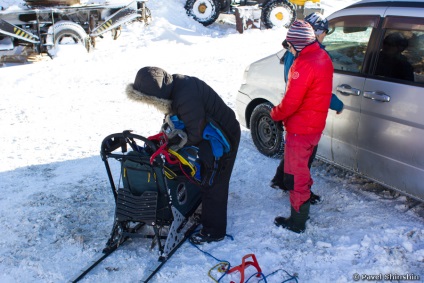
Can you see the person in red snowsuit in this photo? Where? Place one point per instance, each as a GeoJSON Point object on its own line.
{"type": "Point", "coordinates": [303, 112]}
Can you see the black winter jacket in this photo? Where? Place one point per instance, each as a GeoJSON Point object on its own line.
{"type": "Point", "coordinates": [191, 99]}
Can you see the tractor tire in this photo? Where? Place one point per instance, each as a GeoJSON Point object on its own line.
{"type": "Point", "coordinates": [66, 32]}
{"type": "Point", "coordinates": [278, 13]}
{"type": "Point", "coordinates": [204, 11]}
{"type": "Point", "coordinates": [267, 135]}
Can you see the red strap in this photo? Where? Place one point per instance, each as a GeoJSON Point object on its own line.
{"type": "Point", "coordinates": [158, 137]}
{"type": "Point", "coordinates": [161, 138]}
{"type": "Point", "coordinates": [164, 150]}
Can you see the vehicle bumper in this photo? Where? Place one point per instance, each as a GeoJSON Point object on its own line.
{"type": "Point", "coordinates": [242, 101]}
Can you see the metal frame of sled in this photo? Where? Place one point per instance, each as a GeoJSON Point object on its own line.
{"type": "Point", "coordinates": [165, 205]}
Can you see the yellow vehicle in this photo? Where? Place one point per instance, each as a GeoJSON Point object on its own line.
{"type": "Point", "coordinates": [274, 13]}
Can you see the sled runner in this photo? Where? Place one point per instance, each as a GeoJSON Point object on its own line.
{"type": "Point", "coordinates": [167, 209]}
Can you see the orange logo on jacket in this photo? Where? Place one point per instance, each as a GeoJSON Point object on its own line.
{"type": "Point", "coordinates": [295, 75]}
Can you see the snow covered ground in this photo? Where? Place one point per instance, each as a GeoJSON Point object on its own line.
{"type": "Point", "coordinates": [56, 205]}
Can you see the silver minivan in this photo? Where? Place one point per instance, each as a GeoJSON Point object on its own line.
{"type": "Point", "coordinates": [380, 133]}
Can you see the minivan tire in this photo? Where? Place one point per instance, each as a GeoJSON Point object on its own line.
{"type": "Point", "coordinates": [267, 135]}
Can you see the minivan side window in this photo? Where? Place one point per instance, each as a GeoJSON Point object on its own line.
{"type": "Point", "coordinates": [347, 41]}
{"type": "Point", "coordinates": [401, 53]}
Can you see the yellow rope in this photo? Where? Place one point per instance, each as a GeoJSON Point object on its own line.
{"type": "Point", "coordinates": [183, 161]}
{"type": "Point", "coordinates": [222, 268]}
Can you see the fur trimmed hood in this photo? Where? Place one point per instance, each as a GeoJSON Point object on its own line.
{"type": "Point", "coordinates": [163, 105]}
{"type": "Point", "coordinates": [153, 86]}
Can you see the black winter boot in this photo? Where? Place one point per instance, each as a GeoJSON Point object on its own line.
{"type": "Point", "coordinates": [199, 238]}
{"type": "Point", "coordinates": [315, 199]}
{"type": "Point", "coordinates": [277, 184]}
{"type": "Point", "coordinates": [297, 220]}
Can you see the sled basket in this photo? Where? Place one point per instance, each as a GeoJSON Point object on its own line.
{"type": "Point", "coordinates": [143, 195]}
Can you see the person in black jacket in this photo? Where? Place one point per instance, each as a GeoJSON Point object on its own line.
{"type": "Point", "coordinates": [195, 103]}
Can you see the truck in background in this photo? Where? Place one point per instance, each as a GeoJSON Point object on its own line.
{"type": "Point", "coordinates": [45, 24]}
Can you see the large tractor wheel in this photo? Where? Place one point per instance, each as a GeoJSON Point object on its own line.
{"type": "Point", "coordinates": [204, 11]}
{"type": "Point", "coordinates": [65, 33]}
{"type": "Point", "coordinates": [278, 13]}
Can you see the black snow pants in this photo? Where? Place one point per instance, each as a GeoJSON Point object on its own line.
{"type": "Point", "coordinates": [215, 197]}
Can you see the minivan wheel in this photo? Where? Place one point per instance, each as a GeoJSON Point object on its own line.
{"type": "Point", "coordinates": [267, 135]}
{"type": "Point", "coordinates": [278, 13]}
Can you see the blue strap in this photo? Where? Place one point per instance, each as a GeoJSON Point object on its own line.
{"type": "Point", "coordinates": [217, 140]}
{"type": "Point", "coordinates": [178, 124]}
{"type": "Point", "coordinates": [211, 133]}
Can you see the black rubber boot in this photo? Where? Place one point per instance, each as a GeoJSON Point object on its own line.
{"type": "Point", "coordinates": [297, 220]}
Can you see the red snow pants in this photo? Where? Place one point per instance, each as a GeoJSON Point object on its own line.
{"type": "Point", "coordinates": [298, 150]}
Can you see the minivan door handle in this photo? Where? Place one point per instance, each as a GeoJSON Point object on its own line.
{"type": "Point", "coordinates": [348, 90]}
{"type": "Point", "coordinates": [377, 95]}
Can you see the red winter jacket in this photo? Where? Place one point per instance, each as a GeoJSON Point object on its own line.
{"type": "Point", "coordinates": [304, 107]}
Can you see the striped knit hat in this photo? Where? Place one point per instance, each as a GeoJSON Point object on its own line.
{"type": "Point", "coordinates": [300, 35]}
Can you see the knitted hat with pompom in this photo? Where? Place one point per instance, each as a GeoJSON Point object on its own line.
{"type": "Point", "coordinates": [300, 35]}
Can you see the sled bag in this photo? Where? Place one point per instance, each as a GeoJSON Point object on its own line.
{"type": "Point", "coordinates": [138, 175]}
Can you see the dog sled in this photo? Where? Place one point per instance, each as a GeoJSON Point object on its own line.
{"type": "Point", "coordinates": [144, 195]}
{"type": "Point", "coordinates": [156, 195]}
